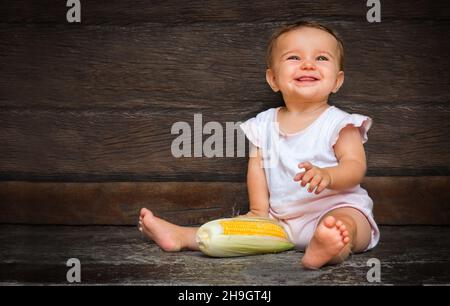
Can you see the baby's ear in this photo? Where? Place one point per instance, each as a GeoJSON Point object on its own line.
{"type": "Point", "coordinates": [339, 81]}
{"type": "Point", "coordinates": [270, 78]}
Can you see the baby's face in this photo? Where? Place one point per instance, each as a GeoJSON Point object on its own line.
{"type": "Point", "coordinates": [305, 65]}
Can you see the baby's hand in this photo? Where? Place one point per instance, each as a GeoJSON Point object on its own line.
{"type": "Point", "coordinates": [314, 176]}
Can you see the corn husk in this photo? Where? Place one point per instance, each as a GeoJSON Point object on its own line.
{"type": "Point", "coordinates": [242, 236]}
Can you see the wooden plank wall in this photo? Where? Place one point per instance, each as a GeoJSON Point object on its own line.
{"type": "Point", "coordinates": [86, 109]}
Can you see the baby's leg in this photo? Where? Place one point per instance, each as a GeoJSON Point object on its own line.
{"type": "Point", "coordinates": [168, 236]}
{"type": "Point", "coordinates": [340, 232]}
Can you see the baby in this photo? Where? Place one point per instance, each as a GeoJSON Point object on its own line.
{"type": "Point", "coordinates": [313, 187]}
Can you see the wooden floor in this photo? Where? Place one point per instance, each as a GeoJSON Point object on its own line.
{"type": "Point", "coordinates": [120, 255]}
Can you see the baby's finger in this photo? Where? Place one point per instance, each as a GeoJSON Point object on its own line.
{"type": "Point", "coordinates": [323, 184]}
{"type": "Point", "coordinates": [314, 182]}
{"type": "Point", "coordinates": [306, 165]}
{"type": "Point", "coordinates": [306, 178]}
{"type": "Point", "coordinates": [299, 176]}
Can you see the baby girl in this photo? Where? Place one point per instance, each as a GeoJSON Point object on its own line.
{"type": "Point", "coordinates": [312, 189]}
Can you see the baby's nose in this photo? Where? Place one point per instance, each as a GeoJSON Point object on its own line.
{"type": "Point", "coordinates": [308, 65]}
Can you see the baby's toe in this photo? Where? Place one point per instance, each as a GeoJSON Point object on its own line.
{"type": "Point", "coordinates": [142, 212]}
{"type": "Point", "coordinates": [329, 221]}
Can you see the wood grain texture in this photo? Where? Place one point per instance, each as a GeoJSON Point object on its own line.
{"type": "Point", "coordinates": [118, 203]}
{"type": "Point", "coordinates": [208, 66]}
{"type": "Point", "coordinates": [410, 200]}
{"type": "Point", "coordinates": [397, 200]}
{"type": "Point", "coordinates": [176, 12]}
{"type": "Point", "coordinates": [136, 145]}
{"type": "Point", "coordinates": [409, 255]}
{"type": "Point", "coordinates": [92, 104]}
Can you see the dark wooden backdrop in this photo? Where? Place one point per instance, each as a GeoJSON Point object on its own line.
{"type": "Point", "coordinates": [86, 109]}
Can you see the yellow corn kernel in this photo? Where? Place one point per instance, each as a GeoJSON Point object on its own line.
{"type": "Point", "coordinates": [241, 227]}
{"type": "Point", "coordinates": [242, 236]}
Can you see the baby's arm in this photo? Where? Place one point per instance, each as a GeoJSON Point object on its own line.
{"type": "Point", "coordinates": [350, 170]}
{"type": "Point", "coordinates": [351, 157]}
{"type": "Point", "coordinates": [258, 192]}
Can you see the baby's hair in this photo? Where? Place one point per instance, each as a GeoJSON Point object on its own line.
{"type": "Point", "coordinates": [298, 25]}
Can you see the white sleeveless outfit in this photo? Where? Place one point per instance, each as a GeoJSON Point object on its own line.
{"type": "Point", "coordinates": [291, 204]}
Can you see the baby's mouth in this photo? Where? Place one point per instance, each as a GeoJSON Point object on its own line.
{"type": "Point", "coordinates": [307, 79]}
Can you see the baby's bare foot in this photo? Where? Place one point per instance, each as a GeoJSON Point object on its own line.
{"type": "Point", "coordinates": [330, 238]}
{"type": "Point", "coordinates": [166, 235]}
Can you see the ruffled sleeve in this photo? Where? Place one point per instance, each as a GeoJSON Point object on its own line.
{"type": "Point", "coordinates": [254, 128]}
{"type": "Point", "coordinates": [252, 131]}
{"type": "Point", "coordinates": [363, 123]}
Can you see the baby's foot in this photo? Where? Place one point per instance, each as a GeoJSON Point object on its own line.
{"type": "Point", "coordinates": [166, 235]}
{"type": "Point", "coordinates": [330, 238]}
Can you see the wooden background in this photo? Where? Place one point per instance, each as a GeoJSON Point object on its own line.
{"type": "Point", "coordinates": [86, 109]}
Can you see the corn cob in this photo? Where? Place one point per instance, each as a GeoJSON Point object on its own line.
{"type": "Point", "coordinates": [242, 236]}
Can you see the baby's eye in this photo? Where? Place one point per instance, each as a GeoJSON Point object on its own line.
{"type": "Point", "coordinates": [322, 58]}
{"type": "Point", "coordinates": [294, 57]}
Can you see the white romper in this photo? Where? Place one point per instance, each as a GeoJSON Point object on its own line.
{"type": "Point", "coordinates": [291, 204]}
